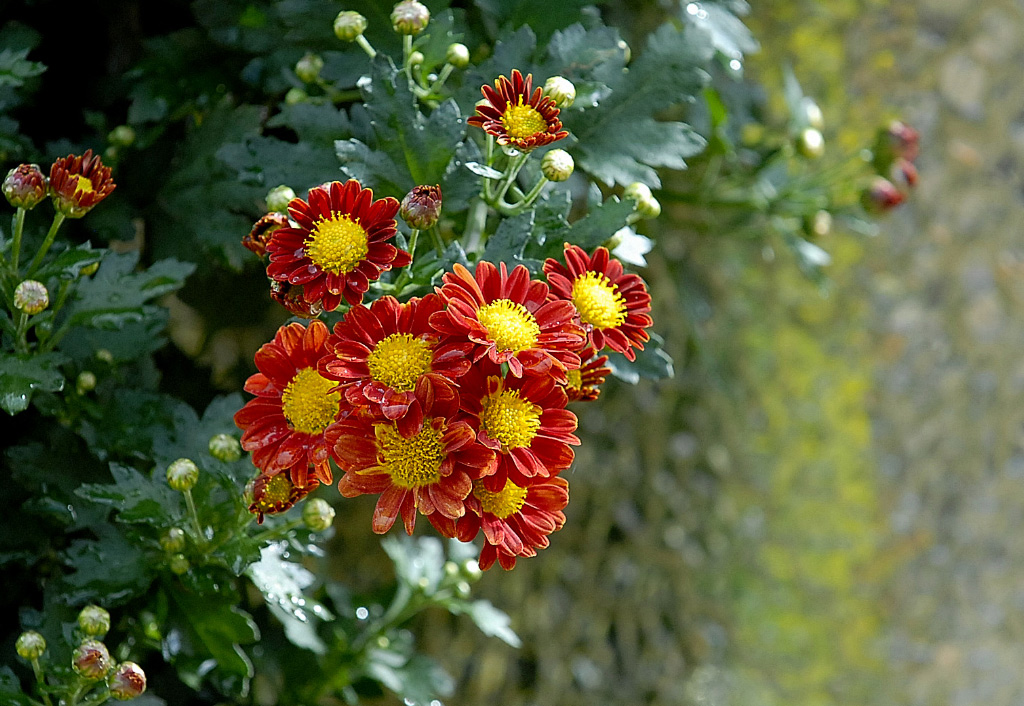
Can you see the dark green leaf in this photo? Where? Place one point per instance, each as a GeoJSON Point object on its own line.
{"type": "Point", "coordinates": [10, 689]}
{"type": "Point", "coordinates": [592, 230]}
{"type": "Point", "coordinates": [282, 582]}
{"type": "Point", "coordinates": [509, 240]}
{"type": "Point", "coordinates": [108, 571]}
{"type": "Point", "coordinates": [69, 263]}
{"type": "Point", "coordinates": [136, 497]}
{"type": "Point", "coordinates": [21, 377]}
{"type": "Point", "coordinates": [542, 16]}
{"type": "Point", "coordinates": [652, 363]}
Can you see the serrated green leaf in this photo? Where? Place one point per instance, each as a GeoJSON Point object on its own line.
{"type": "Point", "coordinates": [315, 124]}
{"type": "Point", "coordinates": [542, 16]}
{"type": "Point", "coordinates": [108, 571]}
{"type": "Point", "coordinates": [21, 377]}
{"type": "Point", "coordinates": [592, 230]}
{"type": "Point", "coordinates": [509, 240]}
{"type": "Point", "coordinates": [69, 263]}
{"type": "Point", "coordinates": [419, 562]}
{"type": "Point", "coordinates": [490, 620]}
{"type": "Point", "coordinates": [417, 679]}
{"type": "Point", "coordinates": [136, 497]}
{"type": "Point", "coordinates": [10, 689]}
{"type": "Point", "coordinates": [132, 421]}
{"type": "Point", "coordinates": [653, 363]}
{"type": "Point", "coordinates": [726, 32]}
{"type": "Point", "coordinates": [282, 582]}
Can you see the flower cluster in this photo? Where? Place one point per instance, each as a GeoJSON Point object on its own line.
{"type": "Point", "coordinates": [75, 184]}
{"type": "Point", "coordinates": [896, 147]}
{"type": "Point", "coordinates": [452, 405]}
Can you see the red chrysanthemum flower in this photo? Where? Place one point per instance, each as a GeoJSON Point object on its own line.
{"type": "Point", "coordinates": [516, 520]}
{"type": "Point", "coordinates": [273, 494]}
{"type": "Point", "coordinates": [511, 319]}
{"type": "Point", "coordinates": [386, 355]}
{"type": "Point", "coordinates": [516, 116]}
{"type": "Point", "coordinates": [339, 245]}
{"type": "Point", "coordinates": [584, 385]}
{"type": "Point", "coordinates": [79, 183]}
{"type": "Point", "coordinates": [523, 419]}
{"type": "Point", "coordinates": [427, 465]}
{"type": "Point", "coordinates": [284, 426]}
{"type": "Point", "coordinates": [613, 306]}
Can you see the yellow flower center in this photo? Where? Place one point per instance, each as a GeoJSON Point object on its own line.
{"type": "Point", "coordinates": [522, 121]}
{"type": "Point", "coordinates": [598, 301]}
{"type": "Point", "coordinates": [413, 462]}
{"type": "Point", "coordinates": [508, 501]}
{"type": "Point", "coordinates": [509, 325]}
{"type": "Point", "coordinates": [509, 419]}
{"type": "Point", "coordinates": [399, 360]}
{"type": "Point", "coordinates": [575, 380]}
{"type": "Point", "coordinates": [307, 402]}
{"type": "Point", "coordinates": [84, 185]}
{"type": "Point", "coordinates": [337, 244]}
{"type": "Point", "coordinates": [276, 492]}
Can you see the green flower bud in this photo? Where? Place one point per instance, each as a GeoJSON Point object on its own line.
{"type": "Point", "coordinates": [30, 645]}
{"type": "Point", "coordinates": [416, 58]}
{"type": "Point", "coordinates": [560, 90]}
{"type": "Point", "coordinates": [279, 197]}
{"type": "Point", "coordinates": [421, 207]}
{"type": "Point", "coordinates": [309, 67]}
{"type": "Point", "coordinates": [25, 186]}
{"type": "Point", "coordinates": [91, 660]}
{"type": "Point", "coordinates": [557, 165]}
{"type": "Point", "coordinates": [105, 356]}
{"type": "Point", "coordinates": [31, 297]}
{"type": "Point", "coordinates": [173, 540]}
{"type": "Point", "coordinates": [813, 116]}
{"type": "Point", "coordinates": [471, 568]}
{"type": "Point", "coordinates": [225, 447]}
{"type": "Point", "coordinates": [646, 205]}
{"type": "Point", "coordinates": [90, 269]}
{"type": "Point", "coordinates": [457, 55]}
{"type": "Point", "coordinates": [410, 17]}
{"type": "Point", "coordinates": [348, 25]}
{"type": "Point", "coordinates": [127, 681]}
{"type": "Point", "coordinates": [317, 515]}
{"type": "Point", "coordinates": [451, 569]}
{"type": "Point", "coordinates": [86, 382]}
{"type": "Point", "coordinates": [811, 143]}
{"type": "Point", "coordinates": [94, 621]}
{"type": "Point", "coordinates": [819, 224]}
{"type": "Point", "coordinates": [295, 96]}
{"type": "Point", "coordinates": [627, 53]}
{"type": "Point", "coordinates": [462, 589]}
{"type": "Point", "coordinates": [179, 564]}
{"type": "Point", "coordinates": [182, 475]}
{"type": "Point", "coordinates": [122, 135]}
{"type": "Point", "coordinates": [638, 191]}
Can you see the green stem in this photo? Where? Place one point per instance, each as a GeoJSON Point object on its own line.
{"type": "Point", "coordinates": [277, 532]}
{"type": "Point", "coordinates": [20, 342]}
{"type": "Point", "coordinates": [446, 71]}
{"type": "Point", "coordinates": [406, 53]}
{"type": "Point", "coordinates": [511, 172]}
{"type": "Point", "coordinates": [58, 219]}
{"type": "Point", "coordinates": [407, 272]}
{"type": "Point", "coordinates": [530, 197]}
{"type": "Point", "coordinates": [391, 618]}
{"type": "Point", "coordinates": [366, 47]}
{"type": "Point", "coordinates": [438, 243]}
{"type": "Point", "coordinates": [19, 226]}
{"type": "Point", "coordinates": [475, 224]}
{"type": "Point", "coordinates": [97, 699]}
{"type": "Point", "coordinates": [40, 679]}
{"type": "Point", "coordinates": [200, 537]}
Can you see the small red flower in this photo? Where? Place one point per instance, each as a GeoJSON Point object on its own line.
{"type": "Point", "coordinates": [516, 520]}
{"type": "Point", "coordinates": [386, 355]}
{"type": "Point", "coordinates": [510, 318]}
{"type": "Point", "coordinates": [516, 116]}
{"type": "Point", "coordinates": [79, 183]}
{"type": "Point", "coordinates": [274, 494]}
{"type": "Point", "coordinates": [257, 239]}
{"type": "Point", "coordinates": [613, 306]}
{"type": "Point", "coordinates": [585, 384]}
{"type": "Point", "coordinates": [523, 419]}
{"type": "Point", "coordinates": [339, 245]}
{"type": "Point", "coordinates": [427, 465]}
{"type": "Point", "coordinates": [284, 426]}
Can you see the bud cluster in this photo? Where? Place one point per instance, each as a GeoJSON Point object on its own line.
{"type": "Point", "coordinates": [896, 148]}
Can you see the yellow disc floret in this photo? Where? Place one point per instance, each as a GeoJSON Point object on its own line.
{"type": "Point", "coordinates": [84, 185]}
{"type": "Point", "coordinates": [508, 501]}
{"type": "Point", "coordinates": [509, 419]}
{"type": "Point", "coordinates": [276, 493]}
{"type": "Point", "coordinates": [509, 325]}
{"type": "Point", "coordinates": [574, 380]}
{"type": "Point", "coordinates": [307, 402]}
{"type": "Point", "coordinates": [411, 462]}
{"type": "Point", "coordinates": [337, 244]}
{"type": "Point", "coordinates": [399, 360]}
{"type": "Point", "coordinates": [598, 301]}
{"type": "Point", "coordinates": [523, 121]}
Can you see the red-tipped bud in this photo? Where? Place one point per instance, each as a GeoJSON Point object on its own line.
{"type": "Point", "coordinates": [882, 196]}
{"type": "Point", "coordinates": [127, 681]}
{"type": "Point", "coordinates": [410, 17]}
{"type": "Point", "coordinates": [290, 297]}
{"type": "Point", "coordinates": [91, 660]}
{"type": "Point", "coordinates": [262, 230]}
{"type": "Point", "coordinates": [421, 207]}
{"type": "Point", "coordinates": [25, 186]}
{"type": "Point", "coordinates": [903, 140]}
{"type": "Point", "coordinates": [903, 174]}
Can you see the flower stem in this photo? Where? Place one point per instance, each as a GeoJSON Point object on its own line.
{"type": "Point", "coordinates": [511, 172]}
{"type": "Point", "coordinates": [19, 225]}
{"type": "Point", "coordinates": [200, 537]}
{"type": "Point", "coordinates": [277, 532]}
{"type": "Point", "coordinates": [475, 225]}
{"type": "Point", "coordinates": [58, 219]}
{"type": "Point", "coordinates": [446, 71]}
{"type": "Point", "coordinates": [366, 47]}
{"type": "Point", "coordinates": [406, 274]}
{"type": "Point", "coordinates": [40, 680]}
{"type": "Point", "coordinates": [438, 243]}
{"type": "Point", "coordinates": [515, 209]}
{"type": "Point", "coordinates": [20, 342]}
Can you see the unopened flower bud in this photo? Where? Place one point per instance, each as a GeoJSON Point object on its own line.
{"type": "Point", "coordinates": [903, 140]}
{"type": "Point", "coordinates": [421, 207]}
{"type": "Point", "coordinates": [410, 17]}
{"type": "Point", "coordinates": [290, 297]}
{"type": "Point", "coordinates": [627, 53]}
{"type": "Point", "coordinates": [308, 68]}
{"type": "Point", "coordinates": [105, 356]}
{"type": "Point", "coordinates": [85, 382]}
{"type": "Point", "coordinates": [557, 165]}
{"type": "Point", "coordinates": [25, 186]}
{"type": "Point", "coordinates": [462, 589]}
{"type": "Point", "coordinates": [416, 58]}
{"type": "Point", "coordinates": [813, 117]}
{"type": "Point", "coordinates": [179, 564]}
{"type": "Point", "coordinates": [471, 568]}
{"type": "Point", "coordinates": [881, 196]}
{"type": "Point", "coordinates": [30, 645]}
{"type": "Point", "coordinates": [811, 143]}
{"type": "Point", "coordinates": [348, 25]}
{"type": "Point", "coordinates": [182, 475]}
{"type": "Point", "coordinates": [263, 230]}
{"type": "Point", "coordinates": [31, 297]}
{"type": "Point", "coordinates": [91, 660]}
{"type": "Point", "coordinates": [317, 514]}
{"type": "Point", "coordinates": [457, 55]}
{"type": "Point", "coordinates": [225, 447]}
{"type": "Point", "coordinates": [451, 569]}
{"type": "Point", "coordinates": [295, 96]}
{"type": "Point", "coordinates": [560, 90]}
{"type": "Point", "coordinates": [122, 135]}
{"type": "Point", "coordinates": [90, 269]}
{"type": "Point", "coordinates": [279, 197]}
{"type": "Point", "coordinates": [94, 621]}
{"type": "Point", "coordinates": [819, 224]}
{"type": "Point", "coordinates": [127, 681]}
{"type": "Point", "coordinates": [903, 174]}
{"type": "Point", "coordinates": [646, 205]}
{"type": "Point", "coordinates": [173, 540]}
